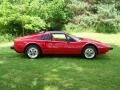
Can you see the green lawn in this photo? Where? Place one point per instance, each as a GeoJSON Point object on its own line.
{"type": "Point", "coordinates": [62, 73]}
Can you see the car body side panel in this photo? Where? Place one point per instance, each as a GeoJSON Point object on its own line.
{"type": "Point", "coordinates": [102, 49]}
{"type": "Point", "coordinates": [19, 46]}
{"type": "Point", "coordinates": [58, 47]}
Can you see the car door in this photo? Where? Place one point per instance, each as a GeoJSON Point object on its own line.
{"type": "Point", "coordinates": [73, 46]}
{"type": "Point", "coordinates": [58, 44]}
{"type": "Point", "coordinates": [63, 44]}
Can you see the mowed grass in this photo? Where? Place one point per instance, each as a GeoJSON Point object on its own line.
{"type": "Point", "coordinates": [62, 72]}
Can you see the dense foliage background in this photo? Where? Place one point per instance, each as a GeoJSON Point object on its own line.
{"type": "Point", "coordinates": [20, 17]}
{"type": "Point", "coordinates": [99, 15]}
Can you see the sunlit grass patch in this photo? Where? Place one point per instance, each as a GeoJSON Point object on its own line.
{"type": "Point", "coordinates": [6, 44]}
{"type": "Point", "coordinates": [106, 38]}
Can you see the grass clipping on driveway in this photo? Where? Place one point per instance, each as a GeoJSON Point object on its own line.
{"type": "Point", "coordinates": [62, 73]}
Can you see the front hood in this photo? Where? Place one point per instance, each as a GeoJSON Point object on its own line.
{"type": "Point", "coordinates": [95, 42]}
{"type": "Point", "coordinates": [90, 40]}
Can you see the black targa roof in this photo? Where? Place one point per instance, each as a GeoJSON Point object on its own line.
{"type": "Point", "coordinates": [56, 32]}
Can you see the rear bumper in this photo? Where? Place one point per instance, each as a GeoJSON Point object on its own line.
{"type": "Point", "coordinates": [111, 48]}
{"type": "Point", "coordinates": [17, 50]}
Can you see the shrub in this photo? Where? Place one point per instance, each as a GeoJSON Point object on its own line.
{"type": "Point", "coordinates": [77, 7]}
{"type": "Point", "coordinates": [117, 6]}
{"type": "Point", "coordinates": [108, 21]}
{"type": "Point", "coordinates": [32, 16]}
{"type": "Point", "coordinates": [107, 26]}
{"type": "Point", "coordinates": [6, 37]}
{"type": "Point", "coordinates": [34, 24]}
{"type": "Point", "coordinates": [85, 21]}
{"type": "Point", "coordinates": [72, 27]}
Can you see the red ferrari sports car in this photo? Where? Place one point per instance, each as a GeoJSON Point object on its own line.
{"type": "Point", "coordinates": [58, 42]}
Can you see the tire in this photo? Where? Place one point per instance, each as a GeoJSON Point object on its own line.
{"type": "Point", "coordinates": [89, 52]}
{"type": "Point", "coordinates": [32, 51]}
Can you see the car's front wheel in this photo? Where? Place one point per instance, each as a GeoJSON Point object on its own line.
{"type": "Point", "coordinates": [89, 52]}
{"type": "Point", "coordinates": [32, 51]}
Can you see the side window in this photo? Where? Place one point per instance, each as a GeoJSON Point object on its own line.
{"type": "Point", "coordinates": [58, 37]}
{"type": "Point", "coordinates": [70, 39]}
{"type": "Point", "coordinates": [45, 37]}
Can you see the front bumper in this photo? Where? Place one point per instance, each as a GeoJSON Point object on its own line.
{"type": "Point", "coordinates": [12, 47]}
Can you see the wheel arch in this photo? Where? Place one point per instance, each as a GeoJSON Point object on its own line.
{"type": "Point", "coordinates": [32, 44]}
{"type": "Point", "coordinates": [90, 44]}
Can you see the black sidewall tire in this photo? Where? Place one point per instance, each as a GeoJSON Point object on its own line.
{"type": "Point", "coordinates": [30, 46]}
{"type": "Point", "coordinates": [93, 47]}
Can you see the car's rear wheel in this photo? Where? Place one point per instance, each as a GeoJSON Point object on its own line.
{"type": "Point", "coordinates": [89, 52]}
{"type": "Point", "coordinates": [32, 51]}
